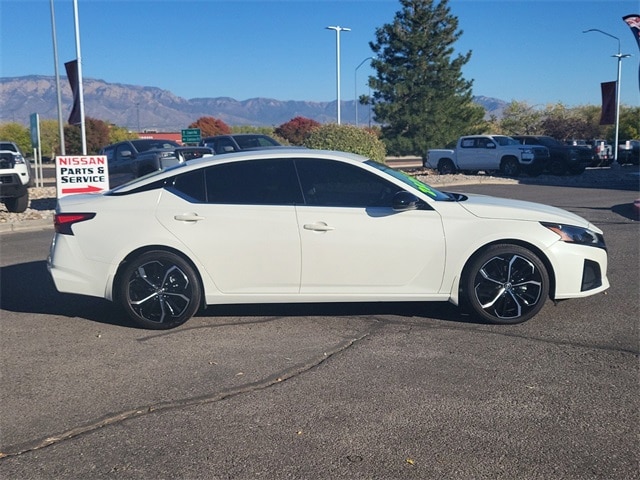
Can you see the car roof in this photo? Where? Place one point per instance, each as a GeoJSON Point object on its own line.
{"type": "Point", "coordinates": [283, 152]}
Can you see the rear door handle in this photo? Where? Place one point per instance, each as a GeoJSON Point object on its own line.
{"type": "Point", "coordinates": [188, 217]}
{"type": "Point", "coordinates": [318, 227]}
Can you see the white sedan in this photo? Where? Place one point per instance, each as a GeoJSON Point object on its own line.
{"type": "Point", "coordinates": [298, 225]}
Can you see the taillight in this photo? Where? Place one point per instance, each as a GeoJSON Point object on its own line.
{"type": "Point", "coordinates": [63, 222]}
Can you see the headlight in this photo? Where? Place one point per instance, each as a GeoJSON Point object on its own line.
{"type": "Point", "coordinates": [572, 234]}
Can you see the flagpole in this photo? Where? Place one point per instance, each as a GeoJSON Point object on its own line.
{"type": "Point", "coordinates": [57, 73]}
{"type": "Point", "coordinates": [83, 132]}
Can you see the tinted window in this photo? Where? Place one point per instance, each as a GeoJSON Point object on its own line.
{"type": "Point", "coordinates": [257, 182]}
{"type": "Point", "coordinates": [336, 184]}
{"type": "Point", "coordinates": [191, 185]}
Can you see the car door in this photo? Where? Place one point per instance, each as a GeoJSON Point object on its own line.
{"type": "Point", "coordinates": [238, 219]}
{"type": "Point", "coordinates": [477, 154]}
{"type": "Point", "coordinates": [353, 242]}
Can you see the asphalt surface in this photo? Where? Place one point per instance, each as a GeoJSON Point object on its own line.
{"type": "Point", "coordinates": [375, 391]}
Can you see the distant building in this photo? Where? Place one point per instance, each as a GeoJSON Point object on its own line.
{"type": "Point", "coordinates": [147, 134]}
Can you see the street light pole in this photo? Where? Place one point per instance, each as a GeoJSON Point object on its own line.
{"type": "Point", "coordinates": [356, 85]}
{"type": "Point", "coordinates": [338, 30]}
{"type": "Point", "coordinates": [619, 56]}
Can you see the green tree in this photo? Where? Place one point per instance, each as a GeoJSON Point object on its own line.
{"type": "Point", "coordinates": [419, 94]}
{"type": "Point", "coordinates": [97, 136]}
{"type": "Point", "coordinates": [210, 126]}
{"type": "Point", "coordinates": [19, 134]}
{"type": "Point", "coordinates": [118, 134]}
{"type": "Point", "coordinates": [346, 138]}
{"type": "Point", "coordinates": [520, 118]}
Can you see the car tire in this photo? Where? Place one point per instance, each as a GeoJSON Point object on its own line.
{"type": "Point", "coordinates": [505, 284]}
{"type": "Point", "coordinates": [510, 167]}
{"type": "Point", "coordinates": [17, 204]}
{"type": "Point", "coordinates": [446, 167]}
{"type": "Point", "coordinates": [557, 167]}
{"type": "Point", "coordinates": [576, 170]}
{"type": "Point", "coordinates": [158, 290]}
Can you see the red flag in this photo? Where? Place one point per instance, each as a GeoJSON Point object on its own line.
{"type": "Point", "coordinates": [72, 74]}
{"type": "Point", "coordinates": [608, 115]}
{"type": "Point", "coordinates": [634, 24]}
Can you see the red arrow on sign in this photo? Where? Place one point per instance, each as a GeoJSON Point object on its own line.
{"type": "Point", "coordinates": [87, 189]}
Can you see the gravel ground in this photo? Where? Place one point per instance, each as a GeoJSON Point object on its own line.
{"type": "Point", "coordinates": [43, 200]}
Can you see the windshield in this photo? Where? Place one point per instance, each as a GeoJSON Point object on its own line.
{"type": "Point", "coordinates": [411, 181]}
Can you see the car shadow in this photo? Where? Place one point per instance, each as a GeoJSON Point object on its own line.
{"type": "Point", "coordinates": [28, 288]}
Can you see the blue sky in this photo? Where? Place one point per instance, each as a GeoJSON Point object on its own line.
{"type": "Point", "coordinates": [526, 50]}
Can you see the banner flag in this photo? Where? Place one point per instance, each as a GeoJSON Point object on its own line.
{"type": "Point", "coordinates": [634, 24]}
{"type": "Point", "coordinates": [608, 115]}
{"type": "Point", "coordinates": [72, 74]}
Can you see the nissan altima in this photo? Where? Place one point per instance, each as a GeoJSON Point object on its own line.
{"type": "Point", "coordinates": [298, 225]}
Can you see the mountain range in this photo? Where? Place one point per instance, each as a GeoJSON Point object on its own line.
{"type": "Point", "coordinates": [151, 108]}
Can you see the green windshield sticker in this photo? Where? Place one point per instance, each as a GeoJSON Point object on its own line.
{"type": "Point", "coordinates": [421, 186]}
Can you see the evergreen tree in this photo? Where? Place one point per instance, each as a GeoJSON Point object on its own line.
{"type": "Point", "coordinates": [419, 95]}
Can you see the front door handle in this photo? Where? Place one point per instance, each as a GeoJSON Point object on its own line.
{"type": "Point", "coordinates": [188, 217]}
{"type": "Point", "coordinates": [318, 227]}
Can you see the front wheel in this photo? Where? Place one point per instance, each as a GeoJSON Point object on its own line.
{"type": "Point", "coordinates": [510, 167]}
{"type": "Point", "coordinates": [446, 167]}
{"type": "Point", "coordinates": [17, 204]}
{"type": "Point", "coordinates": [158, 290]}
{"type": "Point", "coordinates": [506, 284]}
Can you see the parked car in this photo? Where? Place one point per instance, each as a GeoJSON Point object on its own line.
{"type": "Point", "coordinates": [629, 152]}
{"type": "Point", "coordinates": [239, 141]}
{"type": "Point", "coordinates": [490, 153]}
{"type": "Point", "coordinates": [131, 159]}
{"type": "Point", "coordinates": [603, 152]}
{"type": "Point", "coordinates": [562, 158]}
{"type": "Point", "coordinates": [302, 225]}
{"type": "Point", "coordinates": [15, 178]}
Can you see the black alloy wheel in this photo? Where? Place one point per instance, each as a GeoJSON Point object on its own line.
{"type": "Point", "coordinates": [506, 284]}
{"type": "Point", "coordinates": [159, 290]}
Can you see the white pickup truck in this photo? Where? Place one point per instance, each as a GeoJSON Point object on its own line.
{"type": "Point", "coordinates": [488, 153]}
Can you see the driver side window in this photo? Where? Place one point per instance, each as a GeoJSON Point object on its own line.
{"type": "Point", "coordinates": [335, 184]}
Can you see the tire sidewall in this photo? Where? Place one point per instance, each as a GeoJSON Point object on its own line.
{"type": "Point", "coordinates": [122, 292]}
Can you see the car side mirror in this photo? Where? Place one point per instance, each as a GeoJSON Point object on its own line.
{"type": "Point", "coordinates": [125, 153]}
{"type": "Point", "coordinates": [404, 200]}
{"type": "Point", "coordinates": [491, 145]}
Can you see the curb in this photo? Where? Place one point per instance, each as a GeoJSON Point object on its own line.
{"type": "Point", "coordinates": [26, 225]}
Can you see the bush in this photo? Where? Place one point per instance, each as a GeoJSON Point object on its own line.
{"type": "Point", "coordinates": [347, 138]}
{"type": "Point", "coordinates": [296, 130]}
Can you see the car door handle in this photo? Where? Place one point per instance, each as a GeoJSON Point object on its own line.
{"type": "Point", "coordinates": [189, 217]}
{"type": "Point", "coordinates": [318, 227]}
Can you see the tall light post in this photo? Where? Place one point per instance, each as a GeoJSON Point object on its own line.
{"type": "Point", "coordinates": [338, 30]}
{"type": "Point", "coordinates": [356, 85]}
{"type": "Point", "coordinates": [619, 56]}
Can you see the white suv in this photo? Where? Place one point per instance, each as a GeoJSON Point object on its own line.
{"type": "Point", "coordinates": [15, 178]}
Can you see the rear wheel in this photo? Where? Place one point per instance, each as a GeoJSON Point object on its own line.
{"type": "Point", "coordinates": [446, 167]}
{"type": "Point", "coordinates": [158, 290]}
{"type": "Point", "coordinates": [506, 284]}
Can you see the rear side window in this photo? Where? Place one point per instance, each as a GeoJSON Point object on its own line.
{"type": "Point", "coordinates": [259, 182]}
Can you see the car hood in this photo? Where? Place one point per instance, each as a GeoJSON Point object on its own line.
{"type": "Point", "coordinates": [501, 208]}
